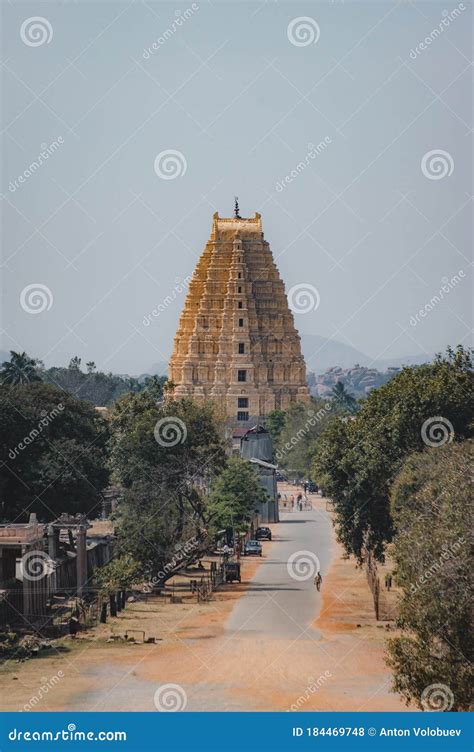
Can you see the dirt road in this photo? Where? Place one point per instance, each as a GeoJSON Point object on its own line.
{"type": "Point", "coordinates": [273, 643]}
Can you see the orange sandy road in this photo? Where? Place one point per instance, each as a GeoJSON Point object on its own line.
{"type": "Point", "coordinates": [223, 663]}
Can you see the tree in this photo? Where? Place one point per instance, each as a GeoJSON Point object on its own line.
{"type": "Point", "coordinates": [75, 364]}
{"type": "Point", "coordinates": [235, 494]}
{"type": "Point", "coordinates": [20, 369]}
{"type": "Point", "coordinates": [52, 453]}
{"type": "Point", "coordinates": [357, 458]}
{"type": "Point", "coordinates": [275, 423]}
{"type": "Point", "coordinates": [119, 574]}
{"type": "Point", "coordinates": [101, 389]}
{"type": "Point", "coordinates": [432, 493]}
{"type": "Point", "coordinates": [343, 398]}
{"type": "Point", "coordinates": [303, 423]}
{"type": "Point", "coordinates": [165, 457]}
{"type": "Point", "coordinates": [154, 385]}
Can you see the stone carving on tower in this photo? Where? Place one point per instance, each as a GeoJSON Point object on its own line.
{"type": "Point", "coordinates": [236, 342]}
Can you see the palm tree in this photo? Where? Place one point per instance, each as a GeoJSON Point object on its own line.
{"type": "Point", "coordinates": [20, 369]}
{"type": "Point", "coordinates": [343, 397]}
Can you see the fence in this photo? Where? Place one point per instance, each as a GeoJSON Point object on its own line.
{"type": "Point", "coordinates": [46, 604]}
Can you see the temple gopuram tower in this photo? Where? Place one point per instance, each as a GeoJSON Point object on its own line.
{"type": "Point", "coordinates": [236, 342]}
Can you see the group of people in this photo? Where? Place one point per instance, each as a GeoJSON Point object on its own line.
{"type": "Point", "coordinates": [301, 502]}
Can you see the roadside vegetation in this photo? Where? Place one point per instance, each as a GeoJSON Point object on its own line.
{"type": "Point", "coordinates": [397, 467]}
{"type": "Point", "coordinates": [431, 504]}
{"type": "Point", "coordinates": [53, 453]}
{"type": "Point", "coordinates": [398, 473]}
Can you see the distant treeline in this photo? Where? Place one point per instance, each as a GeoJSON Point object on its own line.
{"type": "Point", "coordinates": [99, 388]}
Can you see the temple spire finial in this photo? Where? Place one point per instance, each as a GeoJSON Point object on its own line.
{"type": "Point", "coordinates": [236, 208]}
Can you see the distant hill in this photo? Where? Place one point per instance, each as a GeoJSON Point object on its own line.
{"type": "Point", "coordinates": [321, 353]}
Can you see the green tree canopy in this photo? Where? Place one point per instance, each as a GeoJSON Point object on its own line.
{"type": "Point", "coordinates": [20, 369]}
{"type": "Point", "coordinates": [303, 424]}
{"type": "Point", "coordinates": [235, 495]}
{"type": "Point", "coordinates": [275, 423]}
{"type": "Point", "coordinates": [343, 398]}
{"type": "Point", "coordinates": [119, 574]}
{"type": "Point", "coordinates": [431, 507]}
{"type": "Point", "coordinates": [101, 389]}
{"type": "Point", "coordinates": [165, 457]}
{"type": "Point", "coordinates": [357, 458]}
{"type": "Point", "coordinates": [52, 452]}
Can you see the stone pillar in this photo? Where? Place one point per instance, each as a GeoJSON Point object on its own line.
{"type": "Point", "coordinates": [27, 593]}
{"type": "Point", "coordinates": [81, 560]}
{"type": "Point", "coordinates": [53, 541]}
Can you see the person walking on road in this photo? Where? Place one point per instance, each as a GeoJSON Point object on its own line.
{"type": "Point", "coordinates": [318, 581]}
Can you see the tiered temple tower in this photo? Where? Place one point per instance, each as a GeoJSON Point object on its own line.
{"type": "Point", "coordinates": [236, 342]}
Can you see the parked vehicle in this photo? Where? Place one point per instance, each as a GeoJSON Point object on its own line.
{"type": "Point", "coordinates": [232, 571]}
{"type": "Point", "coordinates": [312, 487]}
{"type": "Point", "coordinates": [253, 548]}
{"type": "Point", "coordinates": [263, 533]}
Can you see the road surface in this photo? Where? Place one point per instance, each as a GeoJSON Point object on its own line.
{"type": "Point", "coordinates": [282, 600]}
{"type": "Point", "coordinates": [255, 650]}
{"type": "Point", "coordinates": [268, 638]}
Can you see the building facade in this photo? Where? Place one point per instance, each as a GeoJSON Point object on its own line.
{"type": "Point", "coordinates": [256, 445]}
{"type": "Point", "coordinates": [236, 342]}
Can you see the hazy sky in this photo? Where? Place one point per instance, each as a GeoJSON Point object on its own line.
{"type": "Point", "coordinates": [94, 238]}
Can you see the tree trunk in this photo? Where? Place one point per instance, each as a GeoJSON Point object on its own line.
{"type": "Point", "coordinates": [113, 604]}
{"type": "Point", "coordinates": [103, 613]}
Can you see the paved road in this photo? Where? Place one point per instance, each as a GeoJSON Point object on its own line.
{"type": "Point", "coordinates": [282, 599]}
{"type": "Point", "coordinates": [268, 644]}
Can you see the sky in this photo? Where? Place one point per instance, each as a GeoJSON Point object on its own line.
{"type": "Point", "coordinates": [347, 125]}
